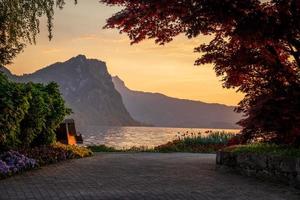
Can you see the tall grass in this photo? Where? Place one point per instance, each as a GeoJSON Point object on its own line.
{"type": "Point", "coordinates": [209, 142]}
{"type": "Point", "coordinates": [217, 137]}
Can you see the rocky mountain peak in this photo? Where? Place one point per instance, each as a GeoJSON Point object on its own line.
{"type": "Point", "coordinates": [80, 57]}
{"type": "Point", "coordinates": [119, 83]}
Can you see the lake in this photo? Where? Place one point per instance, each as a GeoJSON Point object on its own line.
{"type": "Point", "coordinates": [126, 137]}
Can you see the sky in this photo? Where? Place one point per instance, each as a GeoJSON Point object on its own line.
{"type": "Point", "coordinates": [148, 67]}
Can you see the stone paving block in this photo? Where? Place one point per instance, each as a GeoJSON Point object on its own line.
{"type": "Point", "coordinates": [113, 176]}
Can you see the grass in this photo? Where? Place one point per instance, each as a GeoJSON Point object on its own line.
{"type": "Point", "coordinates": [263, 148]}
{"type": "Point", "coordinates": [210, 142]}
{"type": "Point", "coordinates": [102, 148]}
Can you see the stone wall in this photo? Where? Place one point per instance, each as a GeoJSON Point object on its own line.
{"type": "Point", "coordinates": [276, 168]}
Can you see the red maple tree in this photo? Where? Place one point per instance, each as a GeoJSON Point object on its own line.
{"type": "Point", "coordinates": [255, 48]}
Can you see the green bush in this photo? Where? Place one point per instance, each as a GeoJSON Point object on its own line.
{"type": "Point", "coordinates": [55, 114]}
{"type": "Point", "coordinates": [34, 120]}
{"type": "Point", "coordinates": [265, 148]}
{"type": "Point", "coordinates": [29, 113]}
{"type": "Point", "coordinates": [13, 108]}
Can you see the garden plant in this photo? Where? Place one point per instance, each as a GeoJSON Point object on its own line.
{"type": "Point", "coordinates": [29, 116]}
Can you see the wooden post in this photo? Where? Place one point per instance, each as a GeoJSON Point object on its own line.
{"type": "Point", "coordinates": [67, 130]}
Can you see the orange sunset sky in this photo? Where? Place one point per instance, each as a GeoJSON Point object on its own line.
{"type": "Point", "coordinates": [146, 66]}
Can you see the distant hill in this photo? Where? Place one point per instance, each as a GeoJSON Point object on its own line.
{"type": "Point", "coordinates": [87, 88]}
{"type": "Point", "coordinates": [161, 110]}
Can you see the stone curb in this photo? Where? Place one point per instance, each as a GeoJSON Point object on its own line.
{"type": "Point", "coordinates": [267, 167]}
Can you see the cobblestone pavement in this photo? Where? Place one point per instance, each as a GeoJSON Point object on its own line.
{"type": "Point", "coordinates": [140, 176]}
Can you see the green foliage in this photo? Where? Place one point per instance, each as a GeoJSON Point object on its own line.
{"type": "Point", "coordinates": [254, 47]}
{"type": "Point", "coordinates": [264, 148]}
{"type": "Point", "coordinates": [34, 120]}
{"type": "Point", "coordinates": [19, 24]}
{"type": "Point", "coordinates": [29, 113]}
{"type": "Point", "coordinates": [55, 114]}
{"type": "Point", "coordinates": [13, 108]}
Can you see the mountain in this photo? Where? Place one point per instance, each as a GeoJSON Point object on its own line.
{"type": "Point", "coordinates": [161, 110]}
{"type": "Point", "coordinates": [88, 90]}
{"type": "Point", "coordinates": [98, 99]}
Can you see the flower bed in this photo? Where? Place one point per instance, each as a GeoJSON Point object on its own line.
{"type": "Point", "coordinates": [12, 162]}
{"type": "Point", "coordinates": [56, 153]}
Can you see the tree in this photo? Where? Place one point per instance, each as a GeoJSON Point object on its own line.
{"type": "Point", "coordinates": [19, 24]}
{"type": "Point", "coordinates": [255, 49]}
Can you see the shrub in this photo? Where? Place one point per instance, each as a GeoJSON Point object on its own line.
{"type": "Point", "coordinates": [235, 140]}
{"type": "Point", "coordinates": [13, 107]}
{"type": "Point", "coordinates": [34, 120]}
{"type": "Point", "coordinates": [56, 112]}
{"type": "Point", "coordinates": [29, 113]}
{"type": "Point", "coordinates": [264, 148]}
{"type": "Point", "coordinates": [13, 162]}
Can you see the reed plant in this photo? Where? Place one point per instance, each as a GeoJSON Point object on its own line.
{"type": "Point", "coordinates": [207, 142]}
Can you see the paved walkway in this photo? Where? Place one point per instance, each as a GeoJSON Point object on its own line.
{"type": "Point", "coordinates": [140, 176]}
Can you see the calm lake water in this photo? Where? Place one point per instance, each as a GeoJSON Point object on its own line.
{"type": "Point", "coordinates": [126, 137]}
